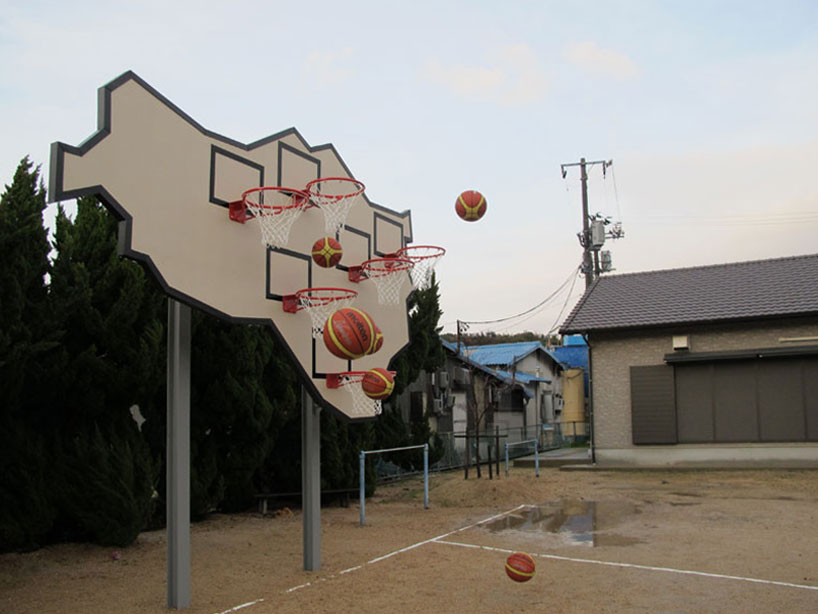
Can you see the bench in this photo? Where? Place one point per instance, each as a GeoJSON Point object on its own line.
{"type": "Point", "coordinates": [342, 494]}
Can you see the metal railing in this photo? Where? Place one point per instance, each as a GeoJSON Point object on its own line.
{"type": "Point", "coordinates": [452, 446]}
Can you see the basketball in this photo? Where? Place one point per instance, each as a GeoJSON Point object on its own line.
{"type": "Point", "coordinates": [520, 567]}
{"type": "Point", "coordinates": [378, 383]}
{"type": "Point", "coordinates": [349, 333]}
{"type": "Point", "coordinates": [327, 252]}
{"type": "Point", "coordinates": [378, 340]}
{"type": "Point", "coordinates": [471, 205]}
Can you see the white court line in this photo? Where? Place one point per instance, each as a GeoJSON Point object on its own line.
{"type": "Point", "coordinates": [378, 559]}
{"type": "Point", "coordinates": [241, 607]}
{"type": "Point", "coordinates": [634, 566]}
{"type": "Point", "coordinates": [407, 548]}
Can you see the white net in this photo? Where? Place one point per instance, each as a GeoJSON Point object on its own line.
{"type": "Point", "coordinates": [319, 303]}
{"type": "Point", "coordinates": [335, 196]}
{"type": "Point", "coordinates": [275, 210]}
{"type": "Point", "coordinates": [424, 258]}
{"type": "Point", "coordinates": [388, 275]}
{"type": "Point", "coordinates": [362, 405]}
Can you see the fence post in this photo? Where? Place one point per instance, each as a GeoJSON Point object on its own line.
{"type": "Point", "coordinates": [506, 460]}
{"type": "Point", "coordinates": [362, 481]}
{"type": "Point", "coordinates": [426, 476]}
{"type": "Point", "coordinates": [468, 456]}
{"type": "Point", "coordinates": [536, 460]}
{"type": "Point", "coordinates": [497, 448]}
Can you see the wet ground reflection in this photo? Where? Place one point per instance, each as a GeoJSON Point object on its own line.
{"type": "Point", "coordinates": [569, 522]}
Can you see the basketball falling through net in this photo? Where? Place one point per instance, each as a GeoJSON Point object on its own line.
{"type": "Point", "coordinates": [319, 303]}
{"type": "Point", "coordinates": [363, 405]}
{"type": "Point", "coordinates": [335, 196]}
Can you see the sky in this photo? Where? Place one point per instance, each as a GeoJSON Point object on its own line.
{"type": "Point", "coordinates": [708, 110]}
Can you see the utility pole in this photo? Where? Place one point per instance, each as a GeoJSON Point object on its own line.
{"type": "Point", "coordinates": [590, 253]}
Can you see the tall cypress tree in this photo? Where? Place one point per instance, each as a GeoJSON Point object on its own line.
{"type": "Point", "coordinates": [26, 337]}
{"type": "Point", "coordinates": [109, 315]}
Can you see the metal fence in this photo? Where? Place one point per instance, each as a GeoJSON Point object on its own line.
{"type": "Point", "coordinates": [454, 446]}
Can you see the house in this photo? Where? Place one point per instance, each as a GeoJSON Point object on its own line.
{"type": "Point", "coordinates": [530, 364]}
{"type": "Point", "coordinates": [498, 400]}
{"type": "Point", "coordinates": [704, 365]}
{"type": "Point", "coordinates": [572, 405]}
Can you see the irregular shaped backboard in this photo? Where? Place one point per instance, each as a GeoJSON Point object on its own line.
{"type": "Point", "coordinates": [170, 180]}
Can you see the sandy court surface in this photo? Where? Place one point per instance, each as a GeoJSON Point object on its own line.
{"type": "Point", "coordinates": [703, 541]}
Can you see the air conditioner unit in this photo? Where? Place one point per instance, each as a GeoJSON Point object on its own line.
{"type": "Point", "coordinates": [437, 406]}
{"type": "Point", "coordinates": [443, 379]}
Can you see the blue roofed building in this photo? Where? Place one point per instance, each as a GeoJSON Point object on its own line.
{"type": "Point", "coordinates": [531, 364]}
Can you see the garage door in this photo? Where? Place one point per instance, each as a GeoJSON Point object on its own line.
{"type": "Point", "coordinates": [751, 400]}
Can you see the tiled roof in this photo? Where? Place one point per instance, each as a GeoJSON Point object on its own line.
{"type": "Point", "coordinates": [739, 291]}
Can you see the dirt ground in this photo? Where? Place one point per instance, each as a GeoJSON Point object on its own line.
{"type": "Point", "coordinates": [613, 542]}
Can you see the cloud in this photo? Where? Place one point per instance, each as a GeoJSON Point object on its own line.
{"type": "Point", "coordinates": [605, 62]}
{"type": "Point", "coordinates": [322, 69]}
{"type": "Point", "coordinates": [511, 77]}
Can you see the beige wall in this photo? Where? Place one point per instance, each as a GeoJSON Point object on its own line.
{"type": "Point", "coordinates": [612, 355]}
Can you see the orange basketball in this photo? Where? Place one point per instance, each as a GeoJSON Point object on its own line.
{"type": "Point", "coordinates": [378, 383]}
{"type": "Point", "coordinates": [349, 333]}
{"type": "Point", "coordinates": [471, 205]}
{"type": "Point", "coordinates": [378, 340]}
{"type": "Point", "coordinates": [520, 567]}
{"type": "Point", "coordinates": [327, 252]}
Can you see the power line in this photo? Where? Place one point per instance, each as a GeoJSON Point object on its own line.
{"type": "Point", "coordinates": [533, 309]}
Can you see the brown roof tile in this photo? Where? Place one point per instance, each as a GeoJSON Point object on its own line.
{"type": "Point", "coordinates": [738, 291]}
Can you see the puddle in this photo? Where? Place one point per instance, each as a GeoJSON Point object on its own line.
{"type": "Point", "coordinates": [570, 522]}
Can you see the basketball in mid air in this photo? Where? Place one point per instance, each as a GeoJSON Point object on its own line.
{"type": "Point", "coordinates": [471, 205]}
{"type": "Point", "coordinates": [378, 383]}
{"type": "Point", "coordinates": [327, 252]}
{"type": "Point", "coordinates": [520, 567]}
{"type": "Point", "coordinates": [349, 333]}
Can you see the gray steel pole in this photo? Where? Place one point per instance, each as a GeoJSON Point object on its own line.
{"type": "Point", "coordinates": [311, 480]}
{"type": "Point", "coordinates": [178, 455]}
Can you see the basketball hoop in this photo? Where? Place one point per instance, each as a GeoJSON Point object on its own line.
{"type": "Point", "coordinates": [274, 208]}
{"type": "Point", "coordinates": [362, 405]}
{"type": "Point", "coordinates": [319, 303]}
{"type": "Point", "coordinates": [335, 197]}
{"type": "Point", "coordinates": [387, 275]}
{"type": "Point", "coordinates": [424, 258]}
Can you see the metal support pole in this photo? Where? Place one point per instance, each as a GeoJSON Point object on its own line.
{"type": "Point", "coordinates": [362, 481]}
{"type": "Point", "coordinates": [426, 476]}
{"type": "Point", "coordinates": [178, 456]}
{"type": "Point", "coordinates": [506, 460]}
{"type": "Point", "coordinates": [311, 480]}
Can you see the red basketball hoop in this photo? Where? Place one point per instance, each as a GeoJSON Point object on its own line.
{"type": "Point", "coordinates": [424, 257]}
{"type": "Point", "coordinates": [363, 405]}
{"type": "Point", "coordinates": [387, 274]}
{"type": "Point", "coordinates": [319, 304]}
{"type": "Point", "coordinates": [274, 208]}
{"type": "Point", "coordinates": [335, 197]}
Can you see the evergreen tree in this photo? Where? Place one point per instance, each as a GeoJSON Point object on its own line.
{"type": "Point", "coordinates": [232, 414]}
{"type": "Point", "coordinates": [424, 352]}
{"type": "Point", "coordinates": [109, 317]}
{"type": "Point", "coordinates": [26, 338]}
